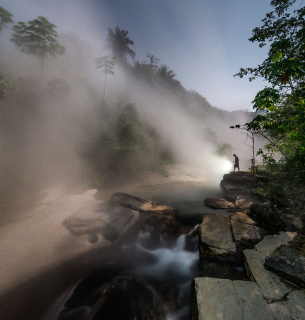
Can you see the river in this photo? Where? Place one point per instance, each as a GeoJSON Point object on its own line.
{"type": "Point", "coordinates": [168, 269]}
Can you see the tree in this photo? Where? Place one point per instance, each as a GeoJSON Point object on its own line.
{"type": "Point", "coordinates": [119, 43]}
{"type": "Point", "coordinates": [38, 37]}
{"type": "Point", "coordinates": [5, 18]}
{"type": "Point", "coordinates": [106, 65]}
{"type": "Point", "coordinates": [281, 105]}
{"type": "Point", "coordinates": [166, 73]}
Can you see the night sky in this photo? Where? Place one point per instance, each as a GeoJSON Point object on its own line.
{"type": "Point", "coordinates": [205, 42]}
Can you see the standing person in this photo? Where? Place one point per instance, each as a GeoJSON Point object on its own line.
{"type": "Point", "coordinates": [236, 162]}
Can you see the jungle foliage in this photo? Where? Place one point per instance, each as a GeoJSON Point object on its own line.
{"type": "Point", "coordinates": [280, 106]}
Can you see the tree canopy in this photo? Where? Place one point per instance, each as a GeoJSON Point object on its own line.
{"type": "Point", "coordinates": [120, 43]}
{"type": "Point", "coordinates": [37, 37]}
{"type": "Point", "coordinates": [280, 106]}
{"type": "Point", "coordinates": [106, 65]}
{"type": "Point", "coordinates": [5, 18]}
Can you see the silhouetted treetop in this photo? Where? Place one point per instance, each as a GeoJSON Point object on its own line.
{"type": "Point", "coordinates": [119, 43]}
{"type": "Point", "coordinates": [5, 18]}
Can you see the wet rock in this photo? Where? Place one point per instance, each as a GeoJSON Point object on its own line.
{"type": "Point", "coordinates": [245, 232]}
{"type": "Point", "coordinates": [270, 284]}
{"type": "Point", "coordinates": [235, 184]}
{"type": "Point", "coordinates": [99, 217]}
{"type": "Point", "coordinates": [92, 238]}
{"type": "Point", "coordinates": [218, 203]}
{"type": "Point", "coordinates": [265, 215]}
{"type": "Point", "coordinates": [161, 228]}
{"type": "Point", "coordinates": [243, 203]}
{"type": "Point", "coordinates": [215, 237]}
{"type": "Point", "coordinates": [293, 307]}
{"type": "Point", "coordinates": [297, 224]}
{"type": "Point", "coordinates": [288, 264]}
{"type": "Point", "coordinates": [125, 298]}
{"type": "Point", "coordinates": [223, 299]}
{"type": "Point", "coordinates": [139, 204]}
{"type": "Point", "coordinates": [241, 217]}
{"type": "Point", "coordinates": [109, 233]}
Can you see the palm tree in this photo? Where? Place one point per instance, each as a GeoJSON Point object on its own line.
{"type": "Point", "coordinates": [165, 73]}
{"type": "Point", "coordinates": [119, 43]}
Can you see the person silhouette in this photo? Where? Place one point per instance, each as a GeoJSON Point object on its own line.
{"type": "Point", "coordinates": [236, 162]}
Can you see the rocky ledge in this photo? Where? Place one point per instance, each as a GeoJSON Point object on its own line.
{"type": "Point", "coordinates": [273, 256]}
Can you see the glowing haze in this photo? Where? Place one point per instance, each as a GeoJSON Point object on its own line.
{"type": "Point", "coordinates": [203, 41]}
{"type": "Point", "coordinates": [196, 40]}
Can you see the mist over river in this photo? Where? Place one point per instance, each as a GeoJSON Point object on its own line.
{"type": "Point", "coordinates": [167, 269]}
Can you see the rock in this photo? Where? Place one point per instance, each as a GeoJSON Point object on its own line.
{"type": "Point", "coordinates": [218, 203]}
{"type": "Point", "coordinates": [241, 217]}
{"type": "Point", "coordinates": [245, 232]}
{"type": "Point", "coordinates": [269, 283]}
{"type": "Point", "coordinates": [293, 307]}
{"type": "Point", "coordinates": [162, 228]}
{"type": "Point", "coordinates": [288, 264]}
{"type": "Point", "coordinates": [139, 204]}
{"type": "Point", "coordinates": [243, 203]}
{"type": "Point", "coordinates": [297, 224]}
{"type": "Point", "coordinates": [246, 179]}
{"type": "Point", "coordinates": [223, 299]}
{"type": "Point", "coordinates": [231, 190]}
{"type": "Point", "coordinates": [128, 297]}
{"type": "Point", "coordinates": [265, 215]}
{"type": "Point", "coordinates": [92, 238]}
{"type": "Point", "coordinates": [99, 217]}
{"type": "Point", "coordinates": [215, 235]}
{"type": "Point", "coordinates": [271, 242]}
{"type": "Point", "coordinates": [236, 184]}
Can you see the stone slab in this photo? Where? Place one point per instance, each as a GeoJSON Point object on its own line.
{"type": "Point", "coordinates": [139, 204]}
{"type": "Point", "coordinates": [292, 308]}
{"type": "Point", "coordinates": [219, 203]}
{"type": "Point", "coordinates": [287, 263]}
{"type": "Point", "coordinates": [245, 232]}
{"type": "Point", "coordinates": [241, 217]}
{"type": "Point", "coordinates": [215, 231]}
{"type": "Point", "coordinates": [269, 283]}
{"type": "Point", "coordinates": [272, 242]}
{"type": "Point", "coordinates": [243, 202]}
{"type": "Point", "coordinates": [223, 299]}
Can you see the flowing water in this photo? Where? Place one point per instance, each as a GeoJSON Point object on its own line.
{"type": "Point", "coordinates": [168, 269]}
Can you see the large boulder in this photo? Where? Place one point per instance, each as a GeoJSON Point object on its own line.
{"type": "Point", "coordinates": [243, 202]}
{"type": "Point", "coordinates": [162, 229]}
{"type": "Point", "coordinates": [138, 204]}
{"type": "Point", "coordinates": [266, 216]}
{"type": "Point", "coordinates": [238, 183]}
{"type": "Point", "coordinates": [218, 203]}
{"type": "Point", "coordinates": [292, 307]}
{"type": "Point", "coordinates": [215, 237]}
{"type": "Point", "coordinates": [270, 284]}
{"type": "Point", "coordinates": [223, 299]}
{"type": "Point", "coordinates": [245, 233]}
{"type": "Point", "coordinates": [287, 263]}
{"type": "Point", "coordinates": [99, 218]}
{"type": "Point", "coordinates": [241, 217]}
{"type": "Point", "coordinates": [244, 229]}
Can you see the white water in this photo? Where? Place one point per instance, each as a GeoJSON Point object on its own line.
{"type": "Point", "coordinates": [169, 262]}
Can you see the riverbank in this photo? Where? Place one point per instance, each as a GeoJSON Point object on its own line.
{"type": "Point", "coordinates": [275, 264]}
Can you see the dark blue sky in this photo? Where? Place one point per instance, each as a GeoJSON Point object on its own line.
{"type": "Point", "coordinates": [205, 42]}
